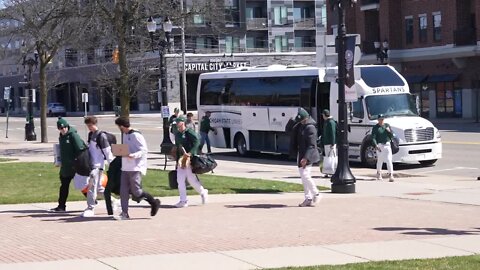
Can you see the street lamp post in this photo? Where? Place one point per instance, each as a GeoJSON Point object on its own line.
{"type": "Point", "coordinates": [343, 180]}
{"type": "Point", "coordinates": [163, 45]}
{"type": "Point", "coordinates": [30, 134]}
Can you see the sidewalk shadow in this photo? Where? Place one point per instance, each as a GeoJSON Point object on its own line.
{"type": "Point", "coordinates": [256, 191]}
{"type": "Point", "coordinates": [79, 219]}
{"type": "Point", "coordinates": [258, 206]}
{"type": "Point", "coordinates": [428, 231]}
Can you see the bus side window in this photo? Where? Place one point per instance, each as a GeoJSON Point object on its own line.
{"type": "Point", "coordinates": [357, 109]}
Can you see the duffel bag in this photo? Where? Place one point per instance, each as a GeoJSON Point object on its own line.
{"type": "Point", "coordinates": [203, 164]}
{"type": "Point", "coordinates": [172, 179]}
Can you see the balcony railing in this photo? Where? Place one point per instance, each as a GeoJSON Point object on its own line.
{"type": "Point", "coordinates": [256, 50]}
{"type": "Point", "coordinates": [370, 2]}
{"type": "Point", "coordinates": [257, 24]}
{"type": "Point", "coordinates": [305, 23]}
{"type": "Point", "coordinates": [304, 49]}
{"type": "Point", "coordinates": [465, 36]}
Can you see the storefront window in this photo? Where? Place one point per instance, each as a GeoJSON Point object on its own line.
{"type": "Point", "coordinates": [449, 100]}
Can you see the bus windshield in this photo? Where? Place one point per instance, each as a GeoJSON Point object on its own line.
{"type": "Point", "coordinates": [391, 105]}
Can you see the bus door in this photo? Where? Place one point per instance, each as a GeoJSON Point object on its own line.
{"type": "Point", "coordinates": [322, 102]}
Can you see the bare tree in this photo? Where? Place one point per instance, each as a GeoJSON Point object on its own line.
{"type": "Point", "coordinates": [45, 26]}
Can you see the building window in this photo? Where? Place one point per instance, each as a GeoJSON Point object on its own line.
{"type": "Point", "coordinates": [280, 16]}
{"type": "Point", "coordinates": [281, 44]}
{"type": "Point", "coordinates": [409, 30]}
{"type": "Point", "coordinates": [232, 15]}
{"type": "Point", "coordinates": [232, 44]}
{"type": "Point", "coordinates": [422, 28]}
{"type": "Point", "coordinates": [200, 43]}
{"type": "Point", "coordinates": [304, 42]}
{"type": "Point", "coordinates": [437, 26]}
{"type": "Point", "coordinates": [302, 13]}
{"type": "Point", "coordinates": [71, 58]}
{"type": "Point", "coordinates": [198, 19]}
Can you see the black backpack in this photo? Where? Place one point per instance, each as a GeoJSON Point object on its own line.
{"type": "Point", "coordinates": [111, 139]}
{"type": "Point", "coordinates": [82, 162]}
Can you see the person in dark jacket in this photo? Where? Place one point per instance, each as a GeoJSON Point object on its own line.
{"type": "Point", "coordinates": [187, 144]}
{"type": "Point", "coordinates": [70, 146]}
{"type": "Point", "coordinates": [304, 147]}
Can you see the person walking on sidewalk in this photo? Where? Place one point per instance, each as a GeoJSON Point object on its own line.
{"type": "Point", "coordinates": [133, 167]}
{"type": "Point", "coordinates": [100, 151]}
{"type": "Point", "coordinates": [381, 136]}
{"type": "Point", "coordinates": [205, 128]}
{"type": "Point", "coordinates": [329, 140]}
{"type": "Point", "coordinates": [70, 146]}
{"type": "Point", "coordinates": [303, 145]}
{"type": "Point", "coordinates": [187, 144]}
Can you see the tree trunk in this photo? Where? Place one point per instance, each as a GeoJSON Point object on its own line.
{"type": "Point", "coordinates": [124, 88]}
{"type": "Point", "coordinates": [43, 102]}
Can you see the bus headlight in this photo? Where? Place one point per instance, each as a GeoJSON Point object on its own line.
{"type": "Point", "coordinates": [438, 135]}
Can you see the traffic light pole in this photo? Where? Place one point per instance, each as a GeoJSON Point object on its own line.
{"type": "Point", "coordinates": [343, 180]}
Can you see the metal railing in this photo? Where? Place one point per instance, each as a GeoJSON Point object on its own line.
{"type": "Point", "coordinates": [257, 23]}
{"type": "Point", "coordinates": [305, 23]}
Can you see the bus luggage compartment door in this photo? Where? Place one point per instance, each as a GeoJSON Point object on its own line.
{"type": "Point", "coordinates": [254, 118]}
{"type": "Point", "coordinates": [278, 117]}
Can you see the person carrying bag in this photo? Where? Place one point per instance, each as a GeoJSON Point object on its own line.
{"type": "Point", "coordinates": [329, 142]}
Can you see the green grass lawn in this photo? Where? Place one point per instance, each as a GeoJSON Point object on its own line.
{"type": "Point", "coordinates": [449, 263]}
{"type": "Point", "coordinates": [39, 182]}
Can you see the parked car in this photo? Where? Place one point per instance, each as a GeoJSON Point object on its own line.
{"type": "Point", "coordinates": [56, 109]}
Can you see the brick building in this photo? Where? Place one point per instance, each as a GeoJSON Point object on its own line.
{"type": "Point", "coordinates": [433, 43]}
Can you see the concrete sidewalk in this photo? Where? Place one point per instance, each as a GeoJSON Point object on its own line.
{"type": "Point", "coordinates": [418, 216]}
{"type": "Point", "coordinates": [250, 231]}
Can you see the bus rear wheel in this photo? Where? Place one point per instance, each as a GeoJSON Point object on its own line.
{"type": "Point", "coordinates": [241, 145]}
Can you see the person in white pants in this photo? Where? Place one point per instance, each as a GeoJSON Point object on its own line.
{"type": "Point", "coordinates": [187, 144]}
{"type": "Point", "coordinates": [381, 137]}
{"type": "Point", "coordinates": [303, 145]}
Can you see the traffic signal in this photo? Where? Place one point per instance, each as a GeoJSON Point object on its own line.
{"type": "Point", "coordinates": [115, 56]}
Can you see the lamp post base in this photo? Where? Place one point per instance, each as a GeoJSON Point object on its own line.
{"type": "Point", "coordinates": [30, 132]}
{"type": "Point", "coordinates": [343, 188]}
{"type": "Point", "coordinates": [166, 148]}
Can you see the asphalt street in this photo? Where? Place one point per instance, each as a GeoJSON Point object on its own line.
{"type": "Point", "coordinates": [461, 142]}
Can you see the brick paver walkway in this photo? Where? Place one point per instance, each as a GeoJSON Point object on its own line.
{"type": "Point", "coordinates": [268, 221]}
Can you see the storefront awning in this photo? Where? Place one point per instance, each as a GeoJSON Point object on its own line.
{"type": "Point", "coordinates": [413, 79]}
{"type": "Point", "coordinates": [442, 78]}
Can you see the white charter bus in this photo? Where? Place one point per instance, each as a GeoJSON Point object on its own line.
{"type": "Point", "coordinates": [251, 107]}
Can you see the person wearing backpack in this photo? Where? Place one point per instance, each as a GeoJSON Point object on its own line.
{"type": "Point", "coordinates": [70, 147]}
{"type": "Point", "coordinates": [133, 167]}
{"type": "Point", "coordinates": [187, 145]}
{"type": "Point", "coordinates": [205, 128]}
{"type": "Point", "coordinates": [100, 151]}
{"type": "Point", "coordinates": [381, 136]}
{"type": "Point", "coordinates": [329, 142]}
{"type": "Point", "coordinates": [303, 146]}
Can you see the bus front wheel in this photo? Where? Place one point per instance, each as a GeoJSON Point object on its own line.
{"type": "Point", "coordinates": [369, 155]}
{"type": "Point", "coordinates": [241, 145]}
{"type": "Point", "coordinates": [428, 162]}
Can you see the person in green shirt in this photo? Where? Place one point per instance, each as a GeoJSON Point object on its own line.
{"type": "Point", "coordinates": [205, 128]}
{"type": "Point", "coordinates": [329, 138]}
{"type": "Point", "coordinates": [187, 143]}
{"type": "Point", "coordinates": [381, 137]}
{"type": "Point", "coordinates": [70, 146]}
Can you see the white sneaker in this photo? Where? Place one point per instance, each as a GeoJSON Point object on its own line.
{"type": "Point", "coordinates": [122, 216]}
{"type": "Point", "coordinates": [390, 177]}
{"type": "Point", "coordinates": [317, 197]}
{"type": "Point", "coordinates": [204, 196]}
{"type": "Point", "coordinates": [307, 203]}
{"type": "Point", "coordinates": [379, 176]}
{"type": "Point", "coordinates": [181, 204]}
{"type": "Point", "coordinates": [88, 213]}
{"type": "Point", "coordinates": [117, 208]}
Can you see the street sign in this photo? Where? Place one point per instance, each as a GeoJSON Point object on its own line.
{"type": "Point", "coordinates": [85, 97]}
{"type": "Point", "coordinates": [165, 112]}
{"type": "Point", "coordinates": [6, 93]}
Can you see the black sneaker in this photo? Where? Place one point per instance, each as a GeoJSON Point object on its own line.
{"type": "Point", "coordinates": [57, 209]}
{"type": "Point", "coordinates": [155, 206]}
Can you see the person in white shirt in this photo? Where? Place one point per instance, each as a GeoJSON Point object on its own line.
{"type": "Point", "coordinates": [133, 167]}
{"type": "Point", "coordinates": [100, 151]}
